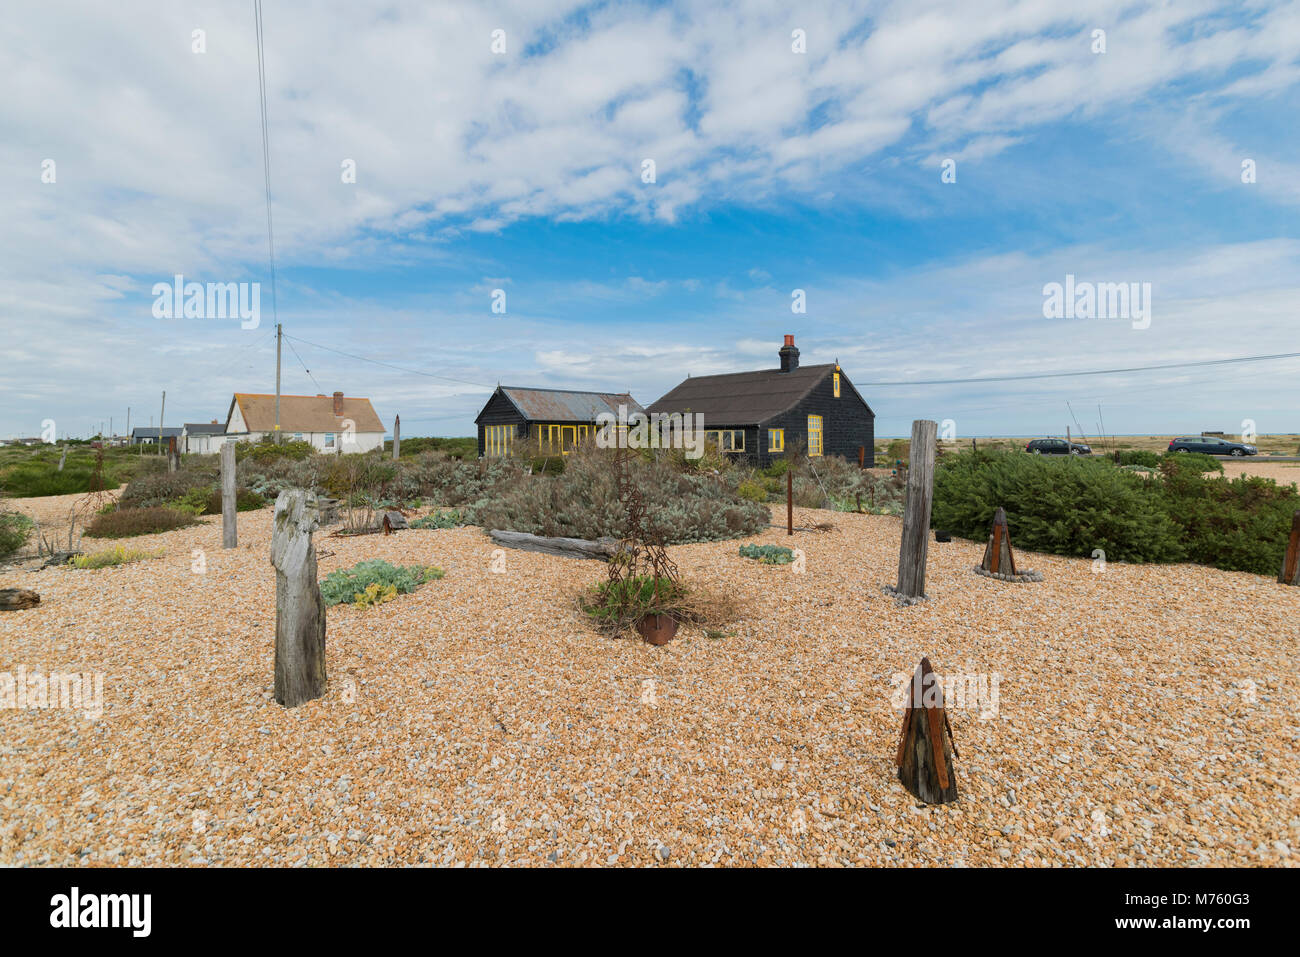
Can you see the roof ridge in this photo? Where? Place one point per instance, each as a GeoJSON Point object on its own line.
{"type": "Point", "coordinates": [530, 388]}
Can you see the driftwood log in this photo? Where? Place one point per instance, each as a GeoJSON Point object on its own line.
{"type": "Point", "coordinates": [229, 525]}
{"type": "Point", "coordinates": [299, 607]}
{"type": "Point", "coordinates": [12, 599]}
{"type": "Point", "coordinates": [1291, 561]}
{"type": "Point", "coordinates": [602, 549]}
{"type": "Point", "coordinates": [926, 748]}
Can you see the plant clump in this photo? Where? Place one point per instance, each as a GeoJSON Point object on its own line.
{"type": "Point", "coordinates": [768, 554]}
{"type": "Point", "coordinates": [117, 555]}
{"type": "Point", "coordinates": [127, 522]}
{"type": "Point", "coordinates": [354, 584]}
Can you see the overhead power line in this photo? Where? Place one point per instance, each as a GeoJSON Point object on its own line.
{"type": "Point", "coordinates": [389, 365]}
{"type": "Point", "coordinates": [266, 151]}
{"type": "Point", "coordinates": [1066, 375]}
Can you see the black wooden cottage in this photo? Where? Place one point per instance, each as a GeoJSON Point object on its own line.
{"type": "Point", "coordinates": [763, 415]}
{"type": "Point", "coordinates": [543, 421]}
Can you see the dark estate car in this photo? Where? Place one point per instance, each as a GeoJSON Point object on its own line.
{"type": "Point", "coordinates": [1057, 447]}
{"type": "Point", "coordinates": [1211, 446]}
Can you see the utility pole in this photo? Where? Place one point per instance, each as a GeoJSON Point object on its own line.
{"type": "Point", "coordinates": [279, 333]}
{"type": "Point", "coordinates": [161, 413]}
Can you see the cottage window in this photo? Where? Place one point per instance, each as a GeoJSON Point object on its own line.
{"type": "Point", "coordinates": [497, 440]}
{"type": "Point", "coordinates": [727, 440]}
{"type": "Point", "coordinates": [776, 440]}
{"type": "Point", "coordinates": [837, 385]}
{"type": "Point", "coordinates": [814, 435]}
{"type": "Point", "coordinates": [329, 440]}
{"type": "Point", "coordinates": [297, 436]}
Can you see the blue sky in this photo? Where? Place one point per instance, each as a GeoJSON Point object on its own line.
{"type": "Point", "coordinates": [775, 171]}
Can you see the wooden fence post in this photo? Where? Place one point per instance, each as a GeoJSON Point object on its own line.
{"type": "Point", "coordinates": [1291, 562]}
{"type": "Point", "coordinates": [229, 527]}
{"type": "Point", "coordinates": [173, 457]}
{"type": "Point", "coordinates": [299, 607]}
{"type": "Point", "coordinates": [789, 502]}
{"type": "Point", "coordinates": [916, 511]}
{"type": "Point", "coordinates": [397, 436]}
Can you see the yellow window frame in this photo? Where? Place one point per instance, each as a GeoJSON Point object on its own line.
{"type": "Point", "coordinates": [776, 440]}
{"type": "Point", "coordinates": [497, 440]}
{"type": "Point", "coordinates": [815, 434]}
{"type": "Point", "coordinates": [837, 385]}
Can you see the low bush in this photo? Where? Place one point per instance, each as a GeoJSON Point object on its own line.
{"type": "Point", "coordinates": [457, 448]}
{"type": "Point", "coordinates": [1139, 457]}
{"type": "Point", "coordinates": [768, 554]}
{"type": "Point", "coordinates": [583, 503]}
{"type": "Point", "coordinates": [268, 451]}
{"type": "Point", "coordinates": [752, 490]}
{"type": "Point", "coordinates": [355, 584]}
{"type": "Point", "coordinates": [1197, 462]}
{"type": "Point", "coordinates": [444, 518]}
{"type": "Point", "coordinates": [127, 522]}
{"type": "Point", "coordinates": [112, 556]}
{"type": "Point", "coordinates": [15, 527]}
{"type": "Point", "coordinates": [1071, 506]}
{"type": "Point", "coordinates": [166, 488]}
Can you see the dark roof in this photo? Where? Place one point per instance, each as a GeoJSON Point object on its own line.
{"type": "Point", "coordinates": [564, 405]}
{"type": "Point", "coordinates": [151, 431]}
{"type": "Point", "coordinates": [742, 398]}
{"type": "Point", "coordinates": [205, 428]}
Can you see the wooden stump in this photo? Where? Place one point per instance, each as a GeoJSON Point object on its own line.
{"type": "Point", "coordinates": [789, 502]}
{"type": "Point", "coordinates": [299, 608]}
{"type": "Point", "coordinates": [926, 749]}
{"type": "Point", "coordinates": [13, 599]}
{"type": "Point", "coordinates": [393, 521]}
{"type": "Point", "coordinates": [916, 511]}
{"type": "Point", "coordinates": [998, 558]}
{"type": "Point", "coordinates": [1291, 561]}
{"type": "Point", "coordinates": [229, 526]}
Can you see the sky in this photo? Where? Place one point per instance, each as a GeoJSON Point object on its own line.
{"type": "Point", "coordinates": [920, 171]}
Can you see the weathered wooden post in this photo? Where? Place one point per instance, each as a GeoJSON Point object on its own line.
{"type": "Point", "coordinates": [1291, 561]}
{"type": "Point", "coordinates": [926, 748]}
{"type": "Point", "coordinates": [229, 528]}
{"type": "Point", "coordinates": [173, 456]}
{"type": "Point", "coordinates": [789, 502]}
{"type": "Point", "coordinates": [862, 456]}
{"type": "Point", "coordinates": [397, 436]}
{"type": "Point", "coordinates": [916, 511]}
{"type": "Point", "coordinates": [299, 607]}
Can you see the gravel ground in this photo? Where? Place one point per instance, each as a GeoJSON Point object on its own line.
{"type": "Point", "coordinates": [1284, 473]}
{"type": "Point", "coordinates": [1145, 715]}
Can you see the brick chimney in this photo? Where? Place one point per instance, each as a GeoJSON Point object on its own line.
{"type": "Point", "coordinates": [789, 355]}
{"type": "Point", "coordinates": [338, 403]}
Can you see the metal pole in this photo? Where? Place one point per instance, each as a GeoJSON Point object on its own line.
{"type": "Point", "coordinates": [278, 334]}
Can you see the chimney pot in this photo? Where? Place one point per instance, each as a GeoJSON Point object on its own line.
{"type": "Point", "coordinates": [789, 354]}
{"type": "Point", "coordinates": [338, 403]}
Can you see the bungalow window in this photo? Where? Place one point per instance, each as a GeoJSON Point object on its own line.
{"type": "Point", "coordinates": [727, 440]}
{"type": "Point", "coordinates": [836, 380]}
{"type": "Point", "coordinates": [776, 440]}
{"type": "Point", "coordinates": [814, 435]}
{"type": "Point", "coordinates": [297, 436]}
{"type": "Point", "coordinates": [497, 440]}
{"type": "Point", "coordinates": [329, 440]}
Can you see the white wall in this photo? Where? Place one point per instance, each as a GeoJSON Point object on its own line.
{"type": "Point", "coordinates": [356, 441]}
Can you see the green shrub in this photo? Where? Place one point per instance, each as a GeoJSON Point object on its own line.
{"type": "Point", "coordinates": [445, 518]}
{"type": "Point", "coordinates": [268, 451]}
{"type": "Point", "coordinates": [1197, 462]}
{"type": "Point", "coordinates": [166, 488]}
{"type": "Point", "coordinates": [15, 527]}
{"type": "Point", "coordinates": [1071, 506]}
{"type": "Point", "coordinates": [752, 490]}
{"type": "Point", "coordinates": [126, 522]}
{"type": "Point", "coordinates": [354, 584]}
{"type": "Point", "coordinates": [768, 554]}
{"type": "Point", "coordinates": [615, 605]}
{"type": "Point", "coordinates": [112, 556]}
{"type": "Point", "coordinates": [897, 450]}
{"type": "Point", "coordinates": [1139, 457]}
{"type": "Point", "coordinates": [457, 448]}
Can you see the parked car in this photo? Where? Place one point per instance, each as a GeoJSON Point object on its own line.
{"type": "Point", "coordinates": [1211, 445]}
{"type": "Point", "coordinates": [1057, 447]}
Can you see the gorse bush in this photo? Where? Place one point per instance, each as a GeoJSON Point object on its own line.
{"type": "Point", "coordinates": [355, 584]}
{"type": "Point", "coordinates": [1073, 505]}
{"type": "Point", "coordinates": [127, 522]}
